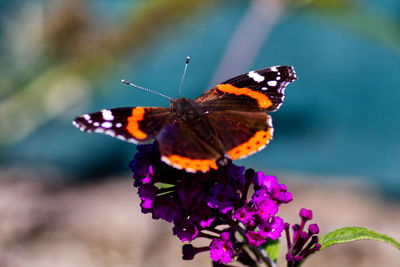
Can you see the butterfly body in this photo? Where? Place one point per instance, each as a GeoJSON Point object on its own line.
{"type": "Point", "coordinates": [229, 120]}
{"type": "Point", "coordinates": [186, 109]}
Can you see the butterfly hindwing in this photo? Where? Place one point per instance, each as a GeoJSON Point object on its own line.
{"type": "Point", "coordinates": [248, 132]}
{"type": "Point", "coordinates": [131, 124]}
{"type": "Point", "coordinates": [189, 146]}
{"type": "Point", "coordinates": [256, 90]}
{"type": "Point", "coordinates": [198, 147]}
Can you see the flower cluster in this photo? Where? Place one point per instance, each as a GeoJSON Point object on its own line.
{"type": "Point", "coordinates": [233, 207]}
{"type": "Point", "coordinates": [298, 249]}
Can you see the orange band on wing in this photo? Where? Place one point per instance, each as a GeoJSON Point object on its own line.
{"type": "Point", "coordinates": [190, 165]}
{"type": "Point", "coordinates": [133, 123]}
{"type": "Point", "coordinates": [263, 100]}
{"type": "Point", "coordinates": [256, 143]}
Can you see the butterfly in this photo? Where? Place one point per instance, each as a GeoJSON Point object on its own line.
{"type": "Point", "coordinates": [228, 121]}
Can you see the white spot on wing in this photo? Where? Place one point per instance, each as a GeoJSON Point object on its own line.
{"type": "Point", "coordinates": [272, 83]}
{"type": "Point", "coordinates": [96, 124]}
{"type": "Point", "coordinates": [269, 122]}
{"type": "Point", "coordinates": [110, 132]}
{"type": "Point", "coordinates": [274, 69]}
{"type": "Point", "coordinates": [107, 115]}
{"type": "Point", "coordinates": [256, 77]}
{"type": "Point", "coordinates": [118, 125]}
{"type": "Point", "coordinates": [121, 137]}
{"type": "Point", "coordinates": [107, 125]}
{"type": "Point", "coordinates": [261, 147]}
{"type": "Point", "coordinates": [264, 88]}
{"type": "Point", "coordinates": [86, 116]}
{"type": "Point", "coordinates": [168, 161]}
{"type": "Point", "coordinates": [132, 140]}
{"type": "Point", "coordinates": [176, 166]}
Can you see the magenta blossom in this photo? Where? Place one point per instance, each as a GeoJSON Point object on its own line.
{"type": "Point", "coordinates": [218, 206]}
{"type": "Point", "coordinates": [299, 248]}
{"type": "Point", "coordinates": [221, 250]}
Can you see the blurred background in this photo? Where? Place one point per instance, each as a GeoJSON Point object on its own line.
{"type": "Point", "coordinates": [66, 197]}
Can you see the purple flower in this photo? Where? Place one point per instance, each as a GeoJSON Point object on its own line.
{"type": "Point", "coordinates": [256, 238]}
{"type": "Point", "coordinates": [266, 181]}
{"type": "Point", "coordinates": [222, 197]}
{"type": "Point", "coordinates": [147, 193]}
{"type": "Point", "coordinates": [280, 194]}
{"type": "Point", "coordinates": [296, 231]}
{"type": "Point", "coordinates": [313, 229]}
{"type": "Point", "coordinates": [266, 209]}
{"type": "Point", "coordinates": [273, 228]}
{"type": "Point", "coordinates": [236, 174]}
{"type": "Point", "coordinates": [202, 215]}
{"type": "Point", "coordinates": [190, 251]}
{"type": "Point", "coordinates": [221, 250]}
{"type": "Point", "coordinates": [244, 215]}
{"type": "Point", "coordinates": [185, 230]}
{"type": "Point", "coordinates": [141, 165]}
{"type": "Point", "coordinates": [259, 197]}
{"type": "Point", "coordinates": [189, 191]}
{"type": "Point", "coordinates": [203, 204]}
{"type": "Point", "coordinates": [166, 208]}
{"type": "Point", "coordinates": [306, 214]}
{"type": "Point", "coordinates": [298, 249]}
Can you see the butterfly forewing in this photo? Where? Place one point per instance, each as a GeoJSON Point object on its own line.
{"type": "Point", "coordinates": [131, 124]}
{"type": "Point", "coordinates": [262, 89]}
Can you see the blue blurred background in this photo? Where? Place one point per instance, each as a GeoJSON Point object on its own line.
{"type": "Point", "coordinates": [341, 118]}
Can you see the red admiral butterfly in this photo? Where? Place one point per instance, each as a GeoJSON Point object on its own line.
{"type": "Point", "coordinates": [230, 120]}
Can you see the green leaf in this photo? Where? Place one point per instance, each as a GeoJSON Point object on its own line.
{"type": "Point", "coordinates": [348, 234]}
{"type": "Point", "coordinates": [163, 185]}
{"type": "Point", "coordinates": [271, 247]}
{"type": "Point", "coordinates": [164, 188]}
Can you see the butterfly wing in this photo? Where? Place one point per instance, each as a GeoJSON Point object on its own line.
{"type": "Point", "coordinates": [236, 109]}
{"type": "Point", "coordinates": [132, 124]}
{"type": "Point", "coordinates": [199, 145]}
{"type": "Point", "coordinates": [241, 133]}
{"type": "Point", "coordinates": [189, 145]}
{"type": "Point", "coordinates": [181, 143]}
{"type": "Point", "coordinates": [233, 121]}
{"type": "Point", "coordinates": [254, 91]}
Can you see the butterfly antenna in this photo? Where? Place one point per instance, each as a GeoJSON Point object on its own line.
{"type": "Point", "coordinates": [183, 76]}
{"type": "Point", "coordinates": [148, 90]}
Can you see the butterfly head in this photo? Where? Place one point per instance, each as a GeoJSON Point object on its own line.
{"type": "Point", "coordinates": [185, 108]}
